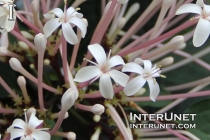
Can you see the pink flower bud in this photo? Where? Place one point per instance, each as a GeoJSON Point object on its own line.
{"type": "Point", "coordinates": [15, 64]}
{"type": "Point", "coordinates": [21, 81]}
{"type": "Point", "coordinates": [40, 41]}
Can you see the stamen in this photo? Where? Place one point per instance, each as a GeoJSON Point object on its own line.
{"type": "Point", "coordinates": [154, 80]}
{"type": "Point", "coordinates": [25, 116]}
{"type": "Point", "coordinates": [77, 9]}
{"type": "Point", "coordinates": [94, 79]}
{"type": "Point", "coordinates": [162, 76]}
{"type": "Point", "coordinates": [109, 53]}
{"type": "Point", "coordinates": [158, 70]}
{"type": "Point", "coordinates": [90, 61]}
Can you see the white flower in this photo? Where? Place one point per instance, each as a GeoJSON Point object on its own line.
{"type": "Point", "coordinates": [28, 130]}
{"type": "Point", "coordinates": [103, 70]}
{"type": "Point", "coordinates": [68, 20]}
{"type": "Point", "coordinates": [147, 74]}
{"type": "Point", "coordinates": [202, 29]}
{"type": "Point", "coordinates": [5, 23]}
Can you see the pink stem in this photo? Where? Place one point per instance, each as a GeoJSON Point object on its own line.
{"type": "Point", "coordinates": [40, 74]}
{"type": "Point", "coordinates": [170, 97]}
{"type": "Point", "coordinates": [64, 59]}
{"type": "Point", "coordinates": [43, 3]}
{"type": "Point", "coordinates": [56, 47]}
{"type": "Point", "coordinates": [97, 94]}
{"type": "Point", "coordinates": [83, 107]}
{"type": "Point", "coordinates": [8, 111]}
{"type": "Point", "coordinates": [21, 38]}
{"type": "Point", "coordinates": [56, 3]}
{"type": "Point", "coordinates": [166, 35]}
{"type": "Point", "coordinates": [75, 51]}
{"type": "Point", "coordinates": [29, 24]}
{"type": "Point", "coordinates": [59, 121]}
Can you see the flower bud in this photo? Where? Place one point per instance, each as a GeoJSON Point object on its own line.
{"type": "Point", "coordinates": [32, 66]}
{"type": "Point", "coordinates": [40, 41]}
{"type": "Point", "coordinates": [166, 61]}
{"type": "Point", "coordinates": [35, 6]}
{"type": "Point", "coordinates": [27, 35]}
{"type": "Point", "coordinates": [68, 99]}
{"type": "Point", "coordinates": [21, 81]}
{"type": "Point", "coordinates": [140, 92]}
{"type": "Point", "coordinates": [121, 23]}
{"type": "Point", "coordinates": [97, 109]}
{"type": "Point", "coordinates": [46, 62]}
{"type": "Point", "coordinates": [71, 136]}
{"type": "Point", "coordinates": [175, 41]}
{"type": "Point", "coordinates": [23, 45]}
{"type": "Point", "coordinates": [132, 10]}
{"type": "Point", "coordinates": [15, 64]}
{"type": "Point", "coordinates": [96, 118]}
{"type": "Point", "coordinates": [122, 1]}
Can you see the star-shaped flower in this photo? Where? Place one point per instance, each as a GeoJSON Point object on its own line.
{"type": "Point", "coordinates": [103, 70]}
{"type": "Point", "coordinates": [68, 19]}
{"type": "Point", "coordinates": [202, 29]}
{"type": "Point", "coordinates": [28, 130]}
{"type": "Point", "coordinates": [147, 74]}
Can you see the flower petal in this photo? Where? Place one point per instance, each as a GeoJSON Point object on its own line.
{"type": "Point", "coordinates": [70, 11]}
{"type": "Point", "coordinates": [15, 133]}
{"type": "Point", "coordinates": [69, 34]}
{"type": "Point", "coordinates": [119, 77]}
{"type": "Point", "coordinates": [206, 10]}
{"type": "Point", "coordinates": [10, 24]}
{"type": "Point", "coordinates": [51, 26]}
{"type": "Point", "coordinates": [19, 123]}
{"type": "Point", "coordinates": [40, 135]}
{"type": "Point", "coordinates": [98, 53]}
{"type": "Point", "coordinates": [202, 31]}
{"type": "Point", "coordinates": [3, 11]}
{"type": "Point", "coordinates": [189, 8]}
{"type": "Point", "coordinates": [87, 73]}
{"type": "Point", "coordinates": [200, 3]}
{"type": "Point", "coordinates": [105, 86]}
{"type": "Point", "coordinates": [58, 12]}
{"type": "Point", "coordinates": [115, 60]}
{"type": "Point", "coordinates": [134, 85]}
{"type": "Point", "coordinates": [79, 23]}
{"type": "Point", "coordinates": [34, 121]}
{"type": "Point", "coordinates": [122, 1]}
{"type": "Point", "coordinates": [132, 67]}
{"type": "Point", "coordinates": [147, 65]}
{"type": "Point", "coordinates": [154, 89]}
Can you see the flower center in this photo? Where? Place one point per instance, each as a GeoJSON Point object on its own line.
{"type": "Point", "coordinates": [28, 131]}
{"type": "Point", "coordinates": [151, 73]}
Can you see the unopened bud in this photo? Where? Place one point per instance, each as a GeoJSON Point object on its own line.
{"type": "Point", "coordinates": [21, 81]}
{"type": "Point", "coordinates": [68, 99]}
{"type": "Point", "coordinates": [176, 41]}
{"type": "Point", "coordinates": [122, 1]}
{"type": "Point", "coordinates": [15, 64]}
{"type": "Point", "coordinates": [166, 61]}
{"type": "Point", "coordinates": [40, 41]}
{"type": "Point", "coordinates": [32, 66]}
{"type": "Point", "coordinates": [71, 136]}
{"type": "Point", "coordinates": [132, 10]}
{"type": "Point", "coordinates": [182, 46]}
{"type": "Point", "coordinates": [23, 45]}
{"type": "Point", "coordinates": [121, 23]}
{"type": "Point", "coordinates": [95, 136]}
{"type": "Point", "coordinates": [35, 6]}
{"type": "Point", "coordinates": [47, 62]}
{"type": "Point", "coordinates": [97, 118]}
{"type": "Point", "coordinates": [98, 109]}
{"type": "Point", "coordinates": [27, 35]}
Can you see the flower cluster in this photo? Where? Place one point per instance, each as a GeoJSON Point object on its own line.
{"type": "Point", "coordinates": [46, 45]}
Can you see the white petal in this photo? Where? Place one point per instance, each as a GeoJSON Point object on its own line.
{"type": "Point", "coordinates": [15, 133]}
{"type": "Point", "coordinates": [69, 34]}
{"type": "Point", "coordinates": [34, 121]}
{"type": "Point", "coordinates": [189, 8]}
{"type": "Point", "coordinates": [49, 15]}
{"type": "Point", "coordinates": [3, 11]}
{"type": "Point", "coordinates": [147, 65]}
{"type": "Point", "coordinates": [98, 53]}
{"type": "Point", "coordinates": [134, 85]}
{"type": "Point", "coordinates": [58, 12]}
{"type": "Point", "coordinates": [40, 135]}
{"type": "Point", "coordinates": [79, 23]}
{"type": "Point", "coordinates": [138, 61]}
{"type": "Point", "coordinates": [105, 86]}
{"type": "Point", "coordinates": [51, 26]}
{"type": "Point", "coordinates": [87, 73]}
{"type": "Point", "coordinates": [70, 11]}
{"type": "Point", "coordinates": [200, 3]}
{"type": "Point", "coordinates": [115, 60]}
{"type": "Point", "coordinates": [4, 42]}
{"type": "Point", "coordinates": [10, 24]}
{"type": "Point", "coordinates": [122, 1]}
{"type": "Point", "coordinates": [119, 77]}
{"type": "Point", "coordinates": [206, 10]}
{"type": "Point", "coordinates": [19, 123]}
{"type": "Point", "coordinates": [202, 31]}
{"type": "Point", "coordinates": [154, 89]}
{"type": "Point", "coordinates": [132, 67]}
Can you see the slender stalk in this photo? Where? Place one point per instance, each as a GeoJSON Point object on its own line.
{"type": "Point", "coordinates": [8, 111]}
{"type": "Point", "coordinates": [58, 123]}
{"type": "Point", "coordinates": [44, 9]}
{"type": "Point", "coordinates": [40, 76]}
{"type": "Point", "coordinates": [164, 36]}
{"type": "Point", "coordinates": [64, 59]}
{"type": "Point", "coordinates": [83, 107]}
{"type": "Point", "coordinates": [169, 97]}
